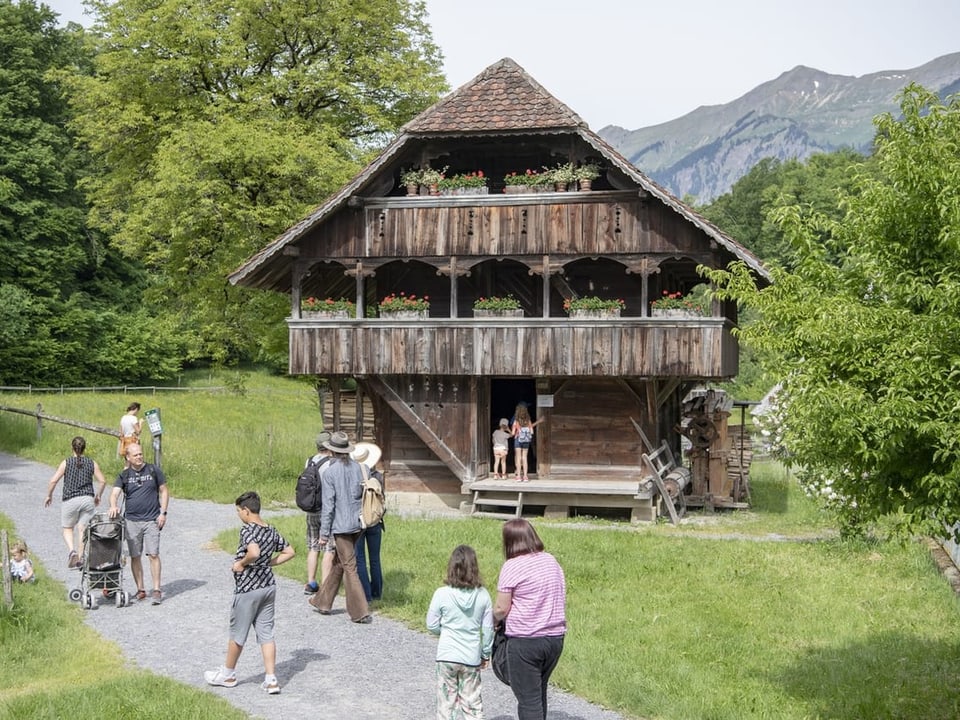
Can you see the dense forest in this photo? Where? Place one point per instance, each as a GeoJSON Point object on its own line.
{"type": "Point", "coordinates": [144, 159]}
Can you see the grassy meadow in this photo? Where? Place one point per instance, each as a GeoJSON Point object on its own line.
{"type": "Point", "coordinates": [731, 616]}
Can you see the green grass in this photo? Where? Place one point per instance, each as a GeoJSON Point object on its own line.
{"type": "Point", "coordinates": [216, 444]}
{"type": "Point", "coordinates": [53, 666]}
{"type": "Point", "coordinates": [679, 627]}
{"type": "Point", "coordinates": [735, 615]}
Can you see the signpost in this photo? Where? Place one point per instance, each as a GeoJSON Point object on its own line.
{"type": "Point", "coordinates": [156, 431]}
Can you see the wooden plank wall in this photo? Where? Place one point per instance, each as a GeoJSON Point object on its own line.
{"type": "Point", "coordinates": [561, 347]}
{"type": "Point", "coordinates": [589, 425]}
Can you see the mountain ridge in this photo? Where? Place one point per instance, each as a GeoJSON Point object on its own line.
{"type": "Point", "coordinates": [801, 112]}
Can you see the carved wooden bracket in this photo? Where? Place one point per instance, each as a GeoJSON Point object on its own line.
{"type": "Point", "coordinates": [644, 265]}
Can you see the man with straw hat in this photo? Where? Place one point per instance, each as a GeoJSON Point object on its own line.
{"type": "Point", "coordinates": [342, 485]}
{"type": "Point", "coordinates": [368, 546]}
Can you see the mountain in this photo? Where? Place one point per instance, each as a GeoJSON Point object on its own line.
{"type": "Point", "coordinates": [800, 113]}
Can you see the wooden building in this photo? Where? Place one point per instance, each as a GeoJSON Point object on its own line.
{"type": "Point", "coordinates": [438, 385]}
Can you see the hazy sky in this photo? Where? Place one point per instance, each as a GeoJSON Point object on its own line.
{"type": "Point", "coordinates": [636, 63]}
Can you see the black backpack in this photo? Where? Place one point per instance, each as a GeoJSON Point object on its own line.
{"type": "Point", "coordinates": [308, 486]}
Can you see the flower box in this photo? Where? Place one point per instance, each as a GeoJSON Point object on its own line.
{"type": "Point", "coordinates": [512, 313]}
{"type": "Point", "coordinates": [464, 191]}
{"type": "Point", "coordinates": [593, 307]}
{"type": "Point", "coordinates": [325, 314]}
{"type": "Point", "coordinates": [327, 308]}
{"type": "Point", "coordinates": [675, 313]}
{"type": "Point", "coordinates": [595, 314]}
{"type": "Point", "coordinates": [404, 314]}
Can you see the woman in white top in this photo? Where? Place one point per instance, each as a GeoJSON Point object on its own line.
{"type": "Point", "coordinates": [129, 429]}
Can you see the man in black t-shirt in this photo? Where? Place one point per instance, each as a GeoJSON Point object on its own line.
{"type": "Point", "coordinates": [146, 498]}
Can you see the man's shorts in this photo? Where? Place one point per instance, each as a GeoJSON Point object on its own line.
{"type": "Point", "coordinates": [77, 511]}
{"type": "Point", "coordinates": [253, 609]}
{"type": "Point", "coordinates": [143, 537]}
{"type": "Point", "coordinates": [313, 535]}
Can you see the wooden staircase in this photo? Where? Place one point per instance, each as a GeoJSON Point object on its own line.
{"type": "Point", "coordinates": [494, 498]}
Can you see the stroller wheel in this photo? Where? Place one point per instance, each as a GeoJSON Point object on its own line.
{"type": "Point", "coordinates": [121, 599]}
{"type": "Point", "coordinates": [74, 594]}
{"type": "Point", "coordinates": [88, 601]}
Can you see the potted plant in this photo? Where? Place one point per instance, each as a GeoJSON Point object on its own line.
{"type": "Point", "coordinates": [562, 175]}
{"type": "Point", "coordinates": [431, 178]}
{"type": "Point", "coordinates": [402, 305]}
{"type": "Point", "coordinates": [473, 183]}
{"type": "Point", "coordinates": [674, 304]}
{"type": "Point", "coordinates": [412, 179]}
{"type": "Point", "coordinates": [593, 307]}
{"type": "Point", "coordinates": [327, 308]}
{"type": "Point", "coordinates": [525, 182]}
{"type": "Point", "coordinates": [586, 174]}
{"type": "Point", "coordinates": [504, 306]}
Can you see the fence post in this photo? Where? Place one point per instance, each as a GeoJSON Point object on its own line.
{"type": "Point", "coordinates": [7, 580]}
{"type": "Point", "coordinates": [39, 422]}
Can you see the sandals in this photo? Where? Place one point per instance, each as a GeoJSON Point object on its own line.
{"type": "Point", "coordinates": [141, 594]}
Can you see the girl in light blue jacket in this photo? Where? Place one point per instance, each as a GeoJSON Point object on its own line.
{"type": "Point", "coordinates": [461, 613]}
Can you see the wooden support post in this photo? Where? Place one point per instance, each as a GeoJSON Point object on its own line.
{"type": "Point", "coordinates": [7, 580]}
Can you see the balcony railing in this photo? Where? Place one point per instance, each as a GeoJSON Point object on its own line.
{"type": "Point", "coordinates": [700, 347]}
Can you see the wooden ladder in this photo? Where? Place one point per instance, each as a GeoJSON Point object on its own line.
{"type": "Point", "coordinates": [479, 501]}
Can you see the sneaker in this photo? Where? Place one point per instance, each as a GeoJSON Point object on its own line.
{"type": "Point", "coordinates": [310, 588]}
{"type": "Point", "coordinates": [271, 686]}
{"type": "Point", "coordinates": [217, 677]}
{"type": "Point", "coordinates": [157, 598]}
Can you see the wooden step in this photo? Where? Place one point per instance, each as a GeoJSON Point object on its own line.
{"type": "Point", "coordinates": [479, 501]}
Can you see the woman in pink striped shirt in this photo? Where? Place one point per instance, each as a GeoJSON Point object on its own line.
{"type": "Point", "coordinates": [531, 598]}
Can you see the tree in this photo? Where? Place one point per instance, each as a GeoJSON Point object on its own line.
{"type": "Point", "coordinates": [865, 330]}
{"type": "Point", "coordinates": [216, 125]}
{"type": "Point", "coordinates": [63, 309]}
{"type": "Point", "coordinates": [745, 211]}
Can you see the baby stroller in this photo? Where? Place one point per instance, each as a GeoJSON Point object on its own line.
{"type": "Point", "coordinates": [102, 566]}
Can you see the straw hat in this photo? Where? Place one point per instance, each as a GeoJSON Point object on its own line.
{"type": "Point", "coordinates": [367, 453]}
{"type": "Point", "coordinates": [339, 443]}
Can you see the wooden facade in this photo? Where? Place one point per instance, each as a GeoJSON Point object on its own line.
{"type": "Point", "coordinates": [437, 385]}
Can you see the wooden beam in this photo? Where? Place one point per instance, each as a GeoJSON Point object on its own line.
{"type": "Point", "coordinates": [447, 456]}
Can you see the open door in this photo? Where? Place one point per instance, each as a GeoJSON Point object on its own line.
{"type": "Point", "coordinates": [505, 394]}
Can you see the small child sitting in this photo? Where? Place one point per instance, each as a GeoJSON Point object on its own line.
{"type": "Point", "coordinates": [20, 566]}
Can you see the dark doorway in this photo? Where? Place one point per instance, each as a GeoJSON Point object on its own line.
{"type": "Point", "coordinates": [505, 394]}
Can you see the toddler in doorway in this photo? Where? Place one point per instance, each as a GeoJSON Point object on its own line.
{"type": "Point", "coordinates": [461, 613]}
{"type": "Point", "coordinates": [501, 444]}
{"type": "Point", "coordinates": [20, 566]}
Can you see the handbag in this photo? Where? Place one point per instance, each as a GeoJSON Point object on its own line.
{"type": "Point", "coordinates": [498, 657]}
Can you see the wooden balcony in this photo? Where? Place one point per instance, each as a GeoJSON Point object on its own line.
{"type": "Point", "coordinates": [701, 347]}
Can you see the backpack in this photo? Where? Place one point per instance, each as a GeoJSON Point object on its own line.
{"type": "Point", "coordinates": [525, 434]}
{"type": "Point", "coordinates": [372, 502]}
{"type": "Point", "coordinates": [308, 494]}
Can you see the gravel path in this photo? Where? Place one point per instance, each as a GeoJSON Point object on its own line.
{"type": "Point", "coordinates": [320, 659]}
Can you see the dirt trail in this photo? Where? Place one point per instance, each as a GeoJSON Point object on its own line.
{"type": "Point", "coordinates": [320, 660]}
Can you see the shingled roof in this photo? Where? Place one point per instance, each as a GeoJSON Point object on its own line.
{"type": "Point", "coordinates": [502, 97]}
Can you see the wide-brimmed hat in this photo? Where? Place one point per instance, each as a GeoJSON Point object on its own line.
{"type": "Point", "coordinates": [321, 439]}
{"type": "Point", "coordinates": [367, 453]}
{"type": "Point", "coordinates": [339, 443]}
